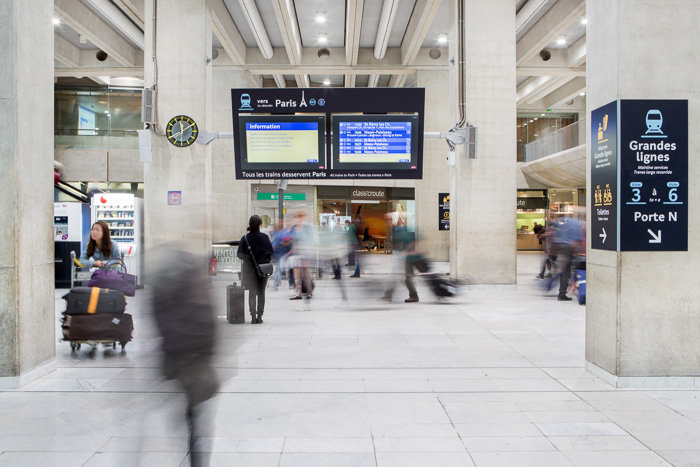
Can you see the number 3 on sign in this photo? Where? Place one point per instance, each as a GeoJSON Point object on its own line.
{"type": "Point", "coordinates": [637, 195]}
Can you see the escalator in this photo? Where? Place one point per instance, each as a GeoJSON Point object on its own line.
{"type": "Point", "coordinates": [72, 191]}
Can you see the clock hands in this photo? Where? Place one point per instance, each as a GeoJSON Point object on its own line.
{"type": "Point", "coordinates": [181, 130]}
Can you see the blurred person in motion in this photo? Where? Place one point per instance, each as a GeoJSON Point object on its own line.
{"type": "Point", "coordinates": [281, 241]}
{"type": "Point", "coordinates": [302, 242]}
{"type": "Point", "coordinates": [185, 318]}
{"type": "Point", "coordinates": [100, 248]}
{"type": "Point", "coordinates": [544, 235]}
{"type": "Point", "coordinates": [353, 245]}
{"type": "Point", "coordinates": [254, 248]}
{"type": "Point", "coordinates": [405, 257]}
{"type": "Point", "coordinates": [571, 236]}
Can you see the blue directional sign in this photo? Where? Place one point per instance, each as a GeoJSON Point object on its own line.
{"type": "Point", "coordinates": [639, 176]}
{"type": "Point", "coordinates": [604, 225]}
{"type": "Point", "coordinates": [654, 175]}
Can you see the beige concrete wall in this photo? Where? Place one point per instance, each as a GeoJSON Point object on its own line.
{"type": "Point", "coordinates": [643, 317]}
{"type": "Point", "coordinates": [100, 165]}
{"type": "Point", "coordinates": [483, 203]}
{"type": "Point", "coordinates": [27, 320]}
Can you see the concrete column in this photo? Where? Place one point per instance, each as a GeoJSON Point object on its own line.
{"type": "Point", "coordinates": [27, 318]}
{"type": "Point", "coordinates": [436, 177]}
{"type": "Point", "coordinates": [230, 198]}
{"type": "Point", "coordinates": [177, 48]}
{"type": "Point", "coordinates": [643, 317]}
{"type": "Point", "coordinates": [483, 200]}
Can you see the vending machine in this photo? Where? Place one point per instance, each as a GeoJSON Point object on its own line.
{"type": "Point", "coordinates": [71, 227]}
{"type": "Point", "coordinates": [123, 212]}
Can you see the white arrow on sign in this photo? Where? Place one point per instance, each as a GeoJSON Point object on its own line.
{"type": "Point", "coordinates": [654, 237]}
{"type": "Point", "coordinates": [604, 235]}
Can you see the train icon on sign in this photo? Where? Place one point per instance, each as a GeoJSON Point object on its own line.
{"type": "Point", "coordinates": [654, 120]}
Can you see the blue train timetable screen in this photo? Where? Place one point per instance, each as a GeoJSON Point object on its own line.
{"type": "Point", "coordinates": [374, 142]}
{"type": "Point", "coordinates": [282, 142]}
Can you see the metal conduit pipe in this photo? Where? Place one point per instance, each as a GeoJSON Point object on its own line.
{"type": "Point", "coordinates": [461, 64]}
{"type": "Point", "coordinates": [386, 21]}
{"type": "Point", "coordinates": [252, 15]}
{"type": "Point", "coordinates": [120, 21]}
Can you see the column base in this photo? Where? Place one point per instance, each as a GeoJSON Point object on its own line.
{"type": "Point", "coordinates": [16, 382]}
{"type": "Point", "coordinates": [644, 382]}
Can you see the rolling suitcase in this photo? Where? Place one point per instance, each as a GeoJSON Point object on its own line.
{"type": "Point", "coordinates": [98, 327]}
{"type": "Point", "coordinates": [235, 304]}
{"type": "Point", "coordinates": [90, 300]}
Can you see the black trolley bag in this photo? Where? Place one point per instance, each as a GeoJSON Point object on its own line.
{"type": "Point", "coordinates": [91, 300]}
{"type": "Point", "coordinates": [115, 327]}
{"type": "Point", "coordinates": [235, 304]}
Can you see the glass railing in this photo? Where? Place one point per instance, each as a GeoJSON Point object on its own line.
{"type": "Point", "coordinates": [96, 139]}
{"type": "Point", "coordinates": [556, 141]}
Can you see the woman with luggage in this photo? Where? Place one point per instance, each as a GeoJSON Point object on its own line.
{"type": "Point", "coordinates": [100, 249]}
{"type": "Point", "coordinates": [254, 248]}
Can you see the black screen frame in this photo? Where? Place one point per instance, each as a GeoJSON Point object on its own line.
{"type": "Point", "coordinates": [242, 150]}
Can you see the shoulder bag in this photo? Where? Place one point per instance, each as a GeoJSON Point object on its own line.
{"type": "Point", "coordinates": [261, 270]}
{"type": "Point", "coordinates": [113, 279]}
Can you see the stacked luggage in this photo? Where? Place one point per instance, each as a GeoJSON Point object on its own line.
{"type": "Point", "coordinates": [96, 316]}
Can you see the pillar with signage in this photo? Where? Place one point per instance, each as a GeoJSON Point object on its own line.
{"type": "Point", "coordinates": [642, 319]}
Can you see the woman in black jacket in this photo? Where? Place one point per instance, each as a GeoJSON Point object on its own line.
{"type": "Point", "coordinates": [261, 248]}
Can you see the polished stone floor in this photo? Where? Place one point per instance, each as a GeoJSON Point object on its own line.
{"type": "Point", "coordinates": [492, 378]}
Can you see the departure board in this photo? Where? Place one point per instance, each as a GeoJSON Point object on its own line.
{"type": "Point", "coordinates": [374, 141]}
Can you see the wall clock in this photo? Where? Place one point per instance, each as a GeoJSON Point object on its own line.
{"type": "Point", "coordinates": [181, 131]}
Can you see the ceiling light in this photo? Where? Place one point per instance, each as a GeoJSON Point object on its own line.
{"type": "Point", "coordinates": [83, 39]}
{"type": "Point", "coordinates": [106, 111]}
{"type": "Point", "coordinates": [56, 21]}
{"type": "Point", "coordinates": [327, 82]}
{"type": "Point", "coordinates": [584, 20]}
{"type": "Point", "coordinates": [582, 94]}
{"type": "Point", "coordinates": [322, 38]}
{"type": "Point", "coordinates": [535, 118]}
{"type": "Point", "coordinates": [541, 115]}
{"type": "Point", "coordinates": [442, 38]}
{"type": "Point", "coordinates": [561, 40]}
{"type": "Point", "coordinates": [320, 16]}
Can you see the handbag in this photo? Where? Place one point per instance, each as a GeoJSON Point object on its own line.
{"type": "Point", "coordinates": [113, 279]}
{"type": "Point", "coordinates": [261, 270]}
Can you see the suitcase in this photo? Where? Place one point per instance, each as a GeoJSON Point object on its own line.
{"type": "Point", "coordinates": [98, 327]}
{"type": "Point", "coordinates": [89, 300]}
{"type": "Point", "coordinates": [440, 287]}
{"type": "Point", "coordinates": [235, 304]}
{"type": "Point", "coordinates": [580, 286]}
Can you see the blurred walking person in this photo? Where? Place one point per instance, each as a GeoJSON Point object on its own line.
{"type": "Point", "coordinates": [185, 318]}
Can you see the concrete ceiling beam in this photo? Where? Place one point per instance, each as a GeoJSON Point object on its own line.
{"type": "Point", "coordinates": [81, 19]}
{"type": "Point", "coordinates": [65, 52]}
{"type": "Point", "coordinates": [353, 27]}
{"type": "Point", "coordinates": [228, 34]}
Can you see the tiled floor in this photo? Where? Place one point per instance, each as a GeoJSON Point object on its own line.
{"type": "Point", "coordinates": [492, 378]}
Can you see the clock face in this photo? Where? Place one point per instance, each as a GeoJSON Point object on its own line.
{"type": "Point", "coordinates": [181, 131]}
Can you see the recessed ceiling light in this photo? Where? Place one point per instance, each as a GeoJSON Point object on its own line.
{"type": "Point", "coordinates": [582, 94]}
{"type": "Point", "coordinates": [541, 115]}
{"type": "Point", "coordinates": [56, 21]}
{"type": "Point", "coordinates": [442, 38]}
{"type": "Point", "coordinates": [561, 40]}
{"type": "Point", "coordinates": [327, 82]}
{"type": "Point", "coordinates": [106, 111]}
{"type": "Point", "coordinates": [535, 118]}
{"type": "Point", "coordinates": [320, 16]}
{"type": "Point", "coordinates": [584, 20]}
{"type": "Point", "coordinates": [322, 38]}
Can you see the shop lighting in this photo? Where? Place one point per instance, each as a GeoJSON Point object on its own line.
{"type": "Point", "coordinates": [322, 38]}
{"type": "Point", "coordinates": [442, 38]}
{"type": "Point", "coordinates": [320, 16]}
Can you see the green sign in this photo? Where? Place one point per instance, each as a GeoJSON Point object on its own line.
{"type": "Point", "coordinates": [287, 196]}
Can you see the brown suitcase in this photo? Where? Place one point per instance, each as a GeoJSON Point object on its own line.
{"type": "Point", "coordinates": [98, 327]}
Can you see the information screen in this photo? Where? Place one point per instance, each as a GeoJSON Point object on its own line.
{"type": "Point", "coordinates": [371, 142]}
{"type": "Point", "coordinates": [277, 142]}
{"type": "Point", "coordinates": [386, 142]}
{"type": "Point", "coordinates": [86, 121]}
{"type": "Point", "coordinates": [282, 142]}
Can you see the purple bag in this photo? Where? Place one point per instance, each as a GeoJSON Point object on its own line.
{"type": "Point", "coordinates": [114, 280]}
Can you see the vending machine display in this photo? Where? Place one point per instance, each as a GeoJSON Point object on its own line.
{"type": "Point", "coordinates": [123, 212]}
{"type": "Point", "coordinates": [71, 227]}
